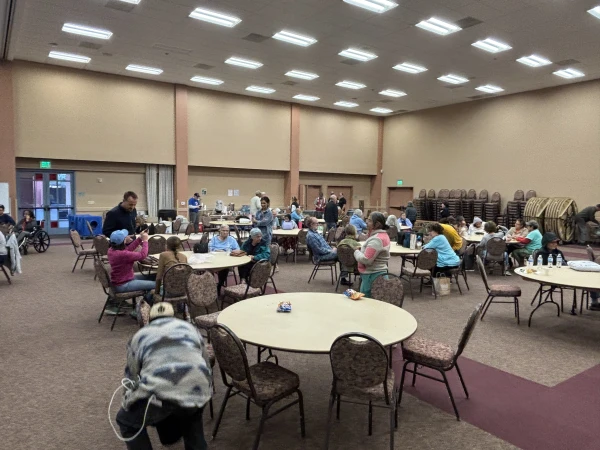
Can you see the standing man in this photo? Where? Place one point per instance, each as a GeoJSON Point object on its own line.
{"type": "Point", "coordinates": [331, 213]}
{"type": "Point", "coordinates": [411, 212]}
{"type": "Point", "coordinates": [320, 205]}
{"type": "Point", "coordinates": [5, 218]}
{"type": "Point", "coordinates": [582, 218]}
{"type": "Point", "coordinates": [122, 216]}
{"type": "Point", "coordinates": [342, 202]}
{"type": "Point", "coordinates": [194, 210]}
{"type": "Point", "coordinates": [255, 203]}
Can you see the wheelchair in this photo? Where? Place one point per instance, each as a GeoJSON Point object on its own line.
{"type": "Point", "coordinates": [39, 239]}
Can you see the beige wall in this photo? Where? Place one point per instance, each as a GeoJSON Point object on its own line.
{"type": "Point", "coordinates": [81, 115]}
{"type": "Point", "coordinates": [547, 140]}
{"type": "Point", "coordinates": [219, 181]}
{"type": "Point", "coordinates": [361, 185]}
{"type": "Point", "coordinates": [235, 131]}
{"type": "Point", "coordinates": [337, 142]}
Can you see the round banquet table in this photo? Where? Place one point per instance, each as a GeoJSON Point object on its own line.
{"type": "Point", "coordinates": [398, 250]}
{"type": "Point", "coordinates": [286, 233]}
{"type": "Point", "coordinates": [228, 222]}
{"type": "Point", "coordinates": [214, 260]}
{"type": "Point", "coordinates": [475, 238]}
{"type": "Point", "coordinates": [565, 277]}
{"type": "Point", "coordinates": [316, 320]}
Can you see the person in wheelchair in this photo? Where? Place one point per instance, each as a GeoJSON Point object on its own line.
{"type": "Point", "coordinates": [26, 226]}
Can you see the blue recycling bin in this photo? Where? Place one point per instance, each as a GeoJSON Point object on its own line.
{"type": "Point", "coordinates": [78, 222]}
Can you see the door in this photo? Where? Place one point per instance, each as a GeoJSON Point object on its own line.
{"type": "Point", "coordinates": [398, 197]}
{"type": "Point", "coordinates": [312, 192]}
{"type": "Point", "coordinates": [49, 194]}
{"type": "Point", "coordinates": [347, 190]}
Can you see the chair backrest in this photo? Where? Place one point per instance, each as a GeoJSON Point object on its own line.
{"type": "Point", "coordinates": [388, 288]}
{"type": "Point", "coordinates": [274, 254]}
{"type": "Point", "coordinates": [205, 221]}
{"type": "Point", "coordinates": [482, 272]}
{"type": "Point", "coordinates": [345, 255]}
{"type": "Point", "coordinates": [590, 253]}
{"type": "Point", "coordinates": [427, 259]}
{"type": "Point", "coordinates": [392, 232]}
{"type": "Point", "coordinates": [519, 195]}
{"type": "Point", "coordinates": [483, 195]}
{"type": "Point", "coordinates": [156, 245]}
{"type": "Point", "coordinates": [176, 226]}
{"type": "Point", "coordinates": [75, 240]}
{"type": "Point", "coordinates": [454, 193]}
{"type": "Point", "coordinates": [422, 193]}
{"type": "Point", "coordinates": [463, 248]}
{"type": "Point", "coordinates": [535, 255]}
{"type": "Point", "coordinates": [204, 238]}
{"type": "Point", "coordinates": [339, 234]}
{"type": "Point", "coordinates": [496, 197]}
{"type": "Point", "coordinates": [530, 194]}
{"type": "Point", "coordinates": [345, 221]}
{"type": "Point", "coordinates": [359, 360]}
{"type": "Point", "coordinates": [444, 193]}
{"type": "Point", "coordinates": [331, 235]}
{"type": "Point", "coordinates": [201, 291]}
{"type": "Point", "coordinates": [302, 236]}
{"type": "Point", "coordinates": [472, 194]}
{"type": "Point", "coordinates": [103, 275]}
{"type": "Point", "coordinates": [101, 244]}
{"type": "Point", "coordinates": [496, 247]}
{"type": "Point", "coordinates": [468, 331]}
{"type": "Point", "coordinates": [175, 280]}
{"type": "Point", "coordinates": [189, 229]}
{"type": "Point", "coordinates": [260, 273]}
{"type": "Point", "coordinates": [431, 193]}
{"type": "Point", "coordinates": [160, 228]}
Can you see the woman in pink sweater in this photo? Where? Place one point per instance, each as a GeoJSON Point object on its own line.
{"type": "Point", "coordinates": [122, 254]}
{"type": "Point", "coordinates": [374, 255]}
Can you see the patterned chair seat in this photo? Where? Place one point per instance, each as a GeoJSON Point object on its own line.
{"type": "Point", "coordinates": [270, 382]}
{"type": "Point", "coordinates": [130, 294]}
{"type": "Point", "coordinates": [505, 290]}
{"type": "Point", "coordinates": [415, 272]}
{"type": "Point", "coordinates": [207, 321]}
{"type": "Point", "coordinates": [239, 291]}
{"type": "Point", "coordinates": [324, 263]}
{"type": "Point", "coordinates": [426, 352]}
{"type": "Point", "coordinates": [373, 393]}
{"type": "Point", "coordinates": [89, 251]}
{"type": "Point", "coordinates": [211, 354]}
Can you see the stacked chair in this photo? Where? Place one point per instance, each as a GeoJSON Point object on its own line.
{"type": "Point", "coordinates": [454, 203]}
{"type": "Point", "coordinates": [430, 205]}
{"type": "Point", "coordinates": [478, 204]}
{"type": "Point", "coordinates": [443, 196]}
{"type": "Point", "coordinates": [467, 205]}
{"type": "Point", "coordinates": [515, 207]}
{"type": "Point", "coordinates": [491, 209]}
{"type": "Point", "coordinates": [421, 204]}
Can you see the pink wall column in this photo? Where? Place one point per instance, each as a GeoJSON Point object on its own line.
{"type": "Point", "coordinates": [292, 178]}
{"type": "Point", "coordinates": [181, 149]}
{"type": "Point", "coordinates": [8, 167]}
{"type": "Point", "coordinates": [376, 183]}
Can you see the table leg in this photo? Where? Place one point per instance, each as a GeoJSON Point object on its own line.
{"type": "Point", "coordinates": [574, 306]}
{"type": "Point", "coordinates": [543, 301]}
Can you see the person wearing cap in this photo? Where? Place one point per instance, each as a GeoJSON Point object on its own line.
{"type": "Point", "coordinates": [194, 210]}
{"type": "Point", "coordinates": [169, 383]}
{"type": "Point", "coordinates": [257, 248]}
{"type": "Point", "coordinates": [476, 226]}
{"type": "Point", "coordinates": [531, 243]}
{"type": "Point", "coordinates": [122, 255]}
{"type": "Point", "coordinates": [582, 218]}
{"type": "Point", "coordinates": [550, 249]}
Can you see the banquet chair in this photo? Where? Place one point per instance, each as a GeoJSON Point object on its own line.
{"type": "Point", "coordinates": [498, 290]}
{"type": "Point", "coordinates": [437, 356]}
{"type": "Point", "coordinates": [301, 246]}
{"type": "Point", "coordinates": [201, 292]}
{"type": "Point", "coordinates": [273, 260]}
{"type": "Point", "coordinates": [322, 265]}
{"type": "Point", "coordinates": [426, 261]}
{"type": "Point", "coordinates": [346, 259]}
{"type": "Point", "coordinates": [392, 233]}
{"type": "Point", "coordinates": [82, 254]}
{"type": "Point", "coordinates": [259, 276]}
{"type": "Point", "coordinates": [388, 288]}
{"type": "Point", "coordinates": [189, 230]}
{"type": "Point", "coordinates": [495, 250]}
{"type": "Point", "coordinates": [174, 286]}
{"type": "Point", "coordinates": [160, 228]}
{"type": "Point", "coordinates": [176, 226]}
{"type": "Point", "coordinates": [585, 294]}
{"type": "Point", "coordinates": [263, 384]}
{"type": "Point", "coordinates": [361, 372]}
{"type": "Point", "coordinates": [156, 245]}
{"type": "Point", "coordinates": [101, 244]}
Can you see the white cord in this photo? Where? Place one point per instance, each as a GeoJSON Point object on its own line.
{"type": "Point", "coordinates": [129, 385]}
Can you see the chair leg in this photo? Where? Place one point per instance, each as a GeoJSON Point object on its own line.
{"type": "Point", "coordinates": [329, 417]}
{"type": "Point", "coordinates": [412, 297]}
{"type": "Point", "coordinates": [393, 421]}
{"type": "Point", "coordinates": [104, 308]}
{"type": "Point", "coordinates": [301, 407]}
{"type": "Point", "coordinates": [331, 270]}
{"type": "Point", "coordinates": [487, 303]}
{"type": "Point", "coordinates": [210, 405]}
{"type": "Point", "coordinates": [83, 262]}
{"type": "Point", "coordinates": [274, 287]}
{"type": "Point", "coordinates": [75, 265]}
{"type": "Point", "coordinates": [221, 411]}
{"type": "Point", "coordinates": [450, 393]}
{"type": "Point", "coordinates": [461, 380]}
{"type": "Point", "coordinates": [116, 315]}
{"type": "Point", "coordinates": [517, 310]}
{"type": "Point", "coordinates": [414, 373]}
{"type": "Point", "coordinates": [464, 274]}
{"type": "Point", "coordinates": [248, 407]}
{"type": "Point", "coordinates": [458, 284]}
{"type": "Point", "coordinates": [337, 414]}
{"type": "Point", "coordinates": [370, 418]}
{"type": "Point", "coordinates": [402, 382]}
{"type": "Point", "coordinates": [312, 274]}
{"type": "Point", "coordinates": [263, 418]}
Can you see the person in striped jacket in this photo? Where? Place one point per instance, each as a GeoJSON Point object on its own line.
{"type": "Point", "coordinates": [374, 254]}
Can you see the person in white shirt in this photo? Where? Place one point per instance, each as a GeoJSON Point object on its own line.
{"type": "Point", "coordinates": [3, 250]}
{"type": "Point", "coordinates": [255, 203]}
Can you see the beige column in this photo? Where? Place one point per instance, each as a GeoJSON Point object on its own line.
{"type": "Point", "coordinates": [292, 178]}
{"type": "Point", "coordinates": [181, 149]}
{"type": "Point", "coordinates": [376, 182]}
{"type": "Point", "coordinates": [8, 165]}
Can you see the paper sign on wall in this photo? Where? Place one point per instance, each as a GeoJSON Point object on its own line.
{"type": "Point", "coordinates": [203, 191]}
{"type": "Point", "coordinates": [236, 192]}
{"type": "Point", "coordinates": [230, 193]}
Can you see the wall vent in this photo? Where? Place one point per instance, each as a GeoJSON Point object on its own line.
{"type": "Point", "coordinates": [255, 37]}
{"type": "Point", "coordinates": [171, 49]}
{"type": "Point", "coordinates": [204, 66]}
{"type": "Point", "coordinates": [468, 22]}
{"type": "Point", "coordinates": [290, 83]}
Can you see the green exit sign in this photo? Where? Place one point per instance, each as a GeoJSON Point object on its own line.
{"type": "Point", "coordinates": [45, 165]}
{"type": "Point", "coordinates": [399, 183]}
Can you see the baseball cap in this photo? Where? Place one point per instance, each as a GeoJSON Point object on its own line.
{"type": "Point", "coordinates": [161, 309]}
{"type": "Point", "coordinates": [532, 223]}
{"type": "Point", "coordinates": [118, 237]}
{"type": "Point", "coordinates": [196, 194]}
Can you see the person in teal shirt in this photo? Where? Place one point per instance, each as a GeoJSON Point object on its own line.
{"type": "Point", "coordinates": [257, 248]}
{"type": "Point", "coordinates": [447, 258]}
{"type": "Point", "coordinates": [531, 243]}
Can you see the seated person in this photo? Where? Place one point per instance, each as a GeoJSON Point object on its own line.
{"type": "Point", "coordinates": [3, 249]}
{"type": "Point", "coordinates": [257, 249]}
{"type": "Point", "coordinates": [476, 226]}
{"type": "Point", "coordinates": [288, 223]}
{"type": "Point", "coordinates": [532, 242]}
{"type": "Point", "coordinates": [404, 235]}
{"type": "Point", "coordinates": [448, 225]}
{"type": "Point", "coordinates": [168, 258]}
{"type": "Point", "coordinates": [297, 215]}
{"type": "Point", "coordinates": [288, 243]}
{"type": "Point", "coordinates": [351, 240]}
{"type": "Point", "coordinates": [316, 243]}
{"type": "Point", "coordinates": [223, 242]}
{"type": "Point", "coordinates": [358, 221]}
{"type": "Point", "coordinates": [5, 218]}
{"type": "Point", "coordinates": [461, 227]}
{"type": "Point", "coordinates": [447, 259]}
{"type": "Point", "coordinates": [491, 230]}
{"type": "Point", "coordinates": [519, 230]}
{"type": "Point", "coordinates": [550, 249]}
{"type": "Point", "coordinates": [374, 254]}
{"type": "Point", "coordinates": [391, 221]}
{"type": "Point", "coordinates": [26, 226]}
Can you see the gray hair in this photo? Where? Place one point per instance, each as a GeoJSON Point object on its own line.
{"type": "Point", "coordinates": [255, 232]}
{"type": "Point", "coordinates": [358, 212]}
{"type": "Point", "coordinates": [258, 193]}
{"type": "Point", "coordinates": [391, 221]}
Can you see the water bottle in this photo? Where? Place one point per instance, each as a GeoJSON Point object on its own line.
{"type": "Point", "coordinates": [419, 243]}
{"type": "Point", "coordinates": [558, 261]}
{"type": "Point", "coordinates": [540, 261]}
{"type": "Point", "coordinates": [530, 261]}
{"type": "Point", "coordinates": [228, 250]}
{"type": "Point", "coordinates": [550, 261]}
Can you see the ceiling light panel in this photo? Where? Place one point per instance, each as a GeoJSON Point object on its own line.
{"type": "Point", "coordinates": [350, 84]}
{"type": "Point", "coordinates": [206, 80]}
{"type": "Point", "coordinates": [144, 69]}
{"type": "Point", "coordinates": [133, 2]}
{"type": "Point", "coordinates": [410, 68]}
{"type": "Point", "coordinates": [569, 73]}
{"type": "Point", "coordinates": [393, 93]}
{"type": "Point", "coordinates": [381, 110]}
{"type": "Point", "coordinates": [357, 54]}
{"type": "Point", "coordinates": [491, 45]}
{"type": "Point", "coordinates": [595, 12]}
{"type": "Point", "coordinates": [294, 38]}
{"type": "Point", "coordinates": [346, 104]}
{"type": "Point", "coordinates": [218, 18]}
{"type": "Point", "coordinates": [308, 98]}
{"type": "Point", "coordinates": [302, 75]}
{"type": "Point", "coordinates": [69, 57]}
{"type": "Point", "coordinates": [260, 89]}
{"type": "Point", "coordinates": [534, 61]}
{"type": "Point", "coordinates": [247, 63]}
{"type": "Point", "coordinates": [82, 30]}
{"type": "Point", "coordinates": [438, 26]}
{"type": "Point", "coordinates": [490, 89]}
{"type": "Point", "coordinates": [378, 6]}
{"type": "Point", "coordinates": [453, 79]}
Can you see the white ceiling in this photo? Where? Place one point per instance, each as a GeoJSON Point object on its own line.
{"type": "Point", "coordinates": [556, 29]}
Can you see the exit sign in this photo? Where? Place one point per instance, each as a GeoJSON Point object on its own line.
{"type": "Point", "coordinates": [399, 183]}
{"type": "Point", "coordinates": [45, 165]}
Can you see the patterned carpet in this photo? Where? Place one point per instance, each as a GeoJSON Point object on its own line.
{"type": "Point", "coordinates": [530, 388]}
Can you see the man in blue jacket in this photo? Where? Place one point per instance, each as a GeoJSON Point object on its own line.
{"type": "Point", "coordinates": [194, 210]}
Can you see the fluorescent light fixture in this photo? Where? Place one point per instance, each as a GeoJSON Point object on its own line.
{"type": "Point", "coordinates": [249, 64]}
{"type": "Point", "coordinates": [491, 45]}
{"type": "Point", "coordinates": [262, 90]}
{"type": "Point", "coordinates": [378, 6]}
{"type": "Point", "coordinates": [294, 38]}
{"type": "Point", "coordinates": [534, 61]}
{"type": "Point", "coordinates": [410, 68]}
{"type": "Point", "coordinates": [205, 80]}
{"type": "Point", "coordinates": [97, 33]}
{"type": "Point", "coordinates": [359, 55]}
{"type": "Point", "coordinates": [144, 69]}
{"type": "Point", "coordinates": [69, 57]}
{"type": "Point", "coordinates": [453, 79]}
{"type": "Point", "coordinates": [350, 84]}
{"type": "Point", "coordinates": [302, 75]}
{"type": "Point", "coordinates": [134, 2]}
{"type": "Point", "coordinates": [308, 98]}
{"type": "Point", "coordinates": [438, 26]}
{"type": "Point", "coordinates": [346, 104]}
{"type": "Point", "coordinates": [569, 73]}
{"type": "Point", "coordinates": [489, 89]}
{"type": "Point", "coordinates": [215, 17]}
{"type": "Point", "coordinates": [595, 12]}
{"type": "Point", "coordinates": [392, 93]}
{"type": "Point", "coordinates": [381, 110]}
